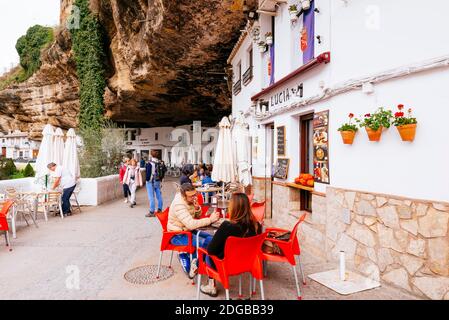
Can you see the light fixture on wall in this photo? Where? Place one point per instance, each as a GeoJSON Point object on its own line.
{"type": "Point", "coordinates": [317, 10]}
{"type": "Point", "coordinates": [305, 4]}
{"type": "Point", "coordinates": [318, 37]}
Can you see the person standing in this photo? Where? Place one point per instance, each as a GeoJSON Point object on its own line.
{"type": "Point", "coordinates": [123, 167]}
{"type": "Point", "coordinates": [133, 179]}
{"type": "Point", "coordinates": [65, 181]}
{"type": "Point", "coordinates": [155, 172]}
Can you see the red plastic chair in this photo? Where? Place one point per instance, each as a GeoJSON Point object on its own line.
{"type": "Point", "coordinates": [166, 238]}
{"type": "Point", "coordinates": [4, 221]}
{"type": "Point", "coordinates": [204, 208]}
{"type": "Point", "coordinates": [240, 255]}
{"type": "Point", "coordinates": [290, 249]}
{"type": "Point", "coordinates": [258, 210]}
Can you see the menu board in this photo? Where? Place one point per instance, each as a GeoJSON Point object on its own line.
{"type": "Point", "coordinates": [281, 140]}
{"type": "Point", "coordinates": [321, 147]}
{"type": "Point", "coordinates": [281, 169]}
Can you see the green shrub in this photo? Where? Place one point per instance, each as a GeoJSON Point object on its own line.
{"type": "Point", "coordinates": [89, 48]}
{"type": "Point", "coordinates": [29, 48]}
{"type": "Point", "coordinates": [28, 171]}
{"type": "Point", "coordinates": [7, 168]}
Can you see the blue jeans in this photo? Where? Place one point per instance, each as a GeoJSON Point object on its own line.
{"type": "Point", "coordinates": [182, 240]}
{"type": "Point", "coordinates": [66, 194]}
{"type": "Point", "coordinates": [152, 188]}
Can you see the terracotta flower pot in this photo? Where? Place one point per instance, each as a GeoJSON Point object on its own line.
{"type": "Point", "coordinates": [374, 135]}
{"type": "Point", "coordinates": [407, 131]}
{"type": "Point", "coordinates": [348, 136]}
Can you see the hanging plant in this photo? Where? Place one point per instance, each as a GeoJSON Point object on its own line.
{"type": "Point", "coordinates": [374, 123]}
{"type": "Point", "coordinates": [348, 130]}
{"type": "Point", "coordinates": [293, 10]}
{"type": "Point", "coordinates": [269, 38]}
{"type": "Point", "coordinates": [406, 125]}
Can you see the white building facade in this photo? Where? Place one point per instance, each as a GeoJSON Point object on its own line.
{"type": "Point", "coordinates": [371, 199]}
{"type": "Point", "coordinates": [16, 145]}
{"type": "Point", "coordinates": [139, 142]}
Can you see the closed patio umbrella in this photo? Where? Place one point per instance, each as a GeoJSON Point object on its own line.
{"type": "Point", "coordinates": [45, 156]}
{"type": "Point", "coordinates": [191, 155]}
{"type": "Point", "coordinates": [58, 146]}
{"type": "Point", "coordinates": [176, 157]}
{"type": "Point", "coordinates": [223, 168]}
{"type": "Point", "coordinates": [165, 157]}
{"type": "Point", "coordinates": [241, 142]}
{"type": "Point", "coordinates": [70, 159]}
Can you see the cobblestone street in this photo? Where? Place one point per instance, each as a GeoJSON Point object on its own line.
{"type": "Point", "coordinates": [107, 241]}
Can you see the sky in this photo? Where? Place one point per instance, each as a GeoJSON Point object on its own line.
{"type": "Point", "coordinates": [16, 16]}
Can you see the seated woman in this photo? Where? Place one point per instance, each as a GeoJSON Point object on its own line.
{"type": "Point", "coordinates": [242, 224]}
{"type": "Point", "coordinates": [207, 180]}
{"type": "Point", "coordinates": [186, 172]}
{"type": "Point", "coordinates": [181, 217]}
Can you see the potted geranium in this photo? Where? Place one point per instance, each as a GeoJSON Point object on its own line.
{"type": "Point", "coordinates": [374, 123]}
{"type": "Point", "coordinates": [262, 46]}
{"type": "Point", "coordinates": [293, 10]}
{"type": "Point", "coordinates": [348, 130]}
{"type": "Point", "coordinates": [269, 38]}
{"type": "Point", "coordinates": [406, 125]}
{"type": "Point", "coordinates": [305, 4]}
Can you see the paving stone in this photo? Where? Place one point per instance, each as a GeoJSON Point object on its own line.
{"type": "Point", "coordinates": [439, 256]}
{"type": "Point", "coordinates": [417, 248]}
{"type": "Point", "coordinates": [433, 287]}
{"type": "Point", "coordinates": [389, 216]}
{"type": "Point", "coordinates": [398, 277]}
{"type": "Point", "coordinates": [433, 224]}
{"type": "Point", "coordinates": [410, 226]}
{"type": "Point", "coordinates": [411, 263]}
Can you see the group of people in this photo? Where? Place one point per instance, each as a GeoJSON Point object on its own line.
{"type": "Point", "coordinates": [131, 177]}
{"type": "Point", "coordinates": [185, 212]}
{"type": "Point", "coordinates": [183, 216]}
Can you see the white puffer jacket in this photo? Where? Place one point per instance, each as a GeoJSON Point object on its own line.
{"type": "Point", "coordinates": [180, 216]}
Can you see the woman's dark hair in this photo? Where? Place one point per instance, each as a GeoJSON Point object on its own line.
{"type": "Point", "coordinates": [185, 187]}
{"type": "Point", "coordinates": [207, 173]}
{"type": "Point", "coordinates": [187, 169]}
{"type": "Point", "coordinates": [240, 213]}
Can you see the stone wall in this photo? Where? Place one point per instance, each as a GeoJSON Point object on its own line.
{"type": "Point", "coordinates": [400, 241]}
{"type": "Point", "coordinates": [262, 191]}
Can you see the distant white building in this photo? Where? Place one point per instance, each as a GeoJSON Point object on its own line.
{"type": "Point", "coordinates": [139, 142]}
{"type": "Point", "coordinates": [15, 145]}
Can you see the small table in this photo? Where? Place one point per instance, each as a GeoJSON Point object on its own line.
{"type": "Point", "coordinates": [221, 204]}
{"type": "Point", "coordinates": [207, 190]}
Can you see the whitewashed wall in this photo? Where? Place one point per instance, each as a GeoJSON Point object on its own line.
{"type": "Point", "coordinates": [364, 38]}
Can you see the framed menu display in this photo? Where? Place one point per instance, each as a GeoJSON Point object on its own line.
{"type": "Point", "coordinates": [281, 169]}
{"type": "Point", "coordinates": [281, 141]}
{"type": "Point", "coordinates": [321, 147]}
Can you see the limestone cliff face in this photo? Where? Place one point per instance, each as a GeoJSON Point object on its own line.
{"type": "Point", "coordinates": [166, 63]}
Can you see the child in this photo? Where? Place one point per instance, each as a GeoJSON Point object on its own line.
{"type": "Point", "coordinates": [133, 179]}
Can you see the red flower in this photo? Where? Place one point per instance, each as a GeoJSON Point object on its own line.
{"type": "Point", "coordinates": [399, 114]}
{"type": "Point", "coordinates": [367, 115]}
{"type": "Point", "coordinates": [351, 115]}
{"type": "Point", "coordinates": [400, 106]}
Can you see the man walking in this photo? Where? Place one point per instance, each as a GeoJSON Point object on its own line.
{"type": "Point", "coordinates": [155, 172]}
{"type": "Point", "coordinates": [65, 181]}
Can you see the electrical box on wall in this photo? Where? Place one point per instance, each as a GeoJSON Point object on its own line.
{"type": "Point", "coordinates": [346, 216]}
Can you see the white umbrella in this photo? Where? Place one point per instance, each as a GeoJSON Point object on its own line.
{"type": "Point", "coordinates": [223, 168]}
{"type": "Point", "coordinates": [191, 158]}
{"type": "Point", "coordinates": [70, 158]}
{"type": "Point", "coordinates": [241, 140]}
{"type": "Point", "coordinates": [176, 158]}
{"type": "Point", "coordinates": [45, 156]}
{"type": "Point", "coordinates": [165, 157]}
{"type": "Point", "coordinates": [58, 146]}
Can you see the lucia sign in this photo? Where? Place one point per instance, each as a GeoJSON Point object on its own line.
{"type": "Point", "coordinates": [283, 97]}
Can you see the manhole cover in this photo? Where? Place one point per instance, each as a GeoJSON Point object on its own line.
{"type": "Point", "coordinates": [147, 274]}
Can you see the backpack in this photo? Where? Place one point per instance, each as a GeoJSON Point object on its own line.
{"type": "Point", "coordinates": [159, 171]}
